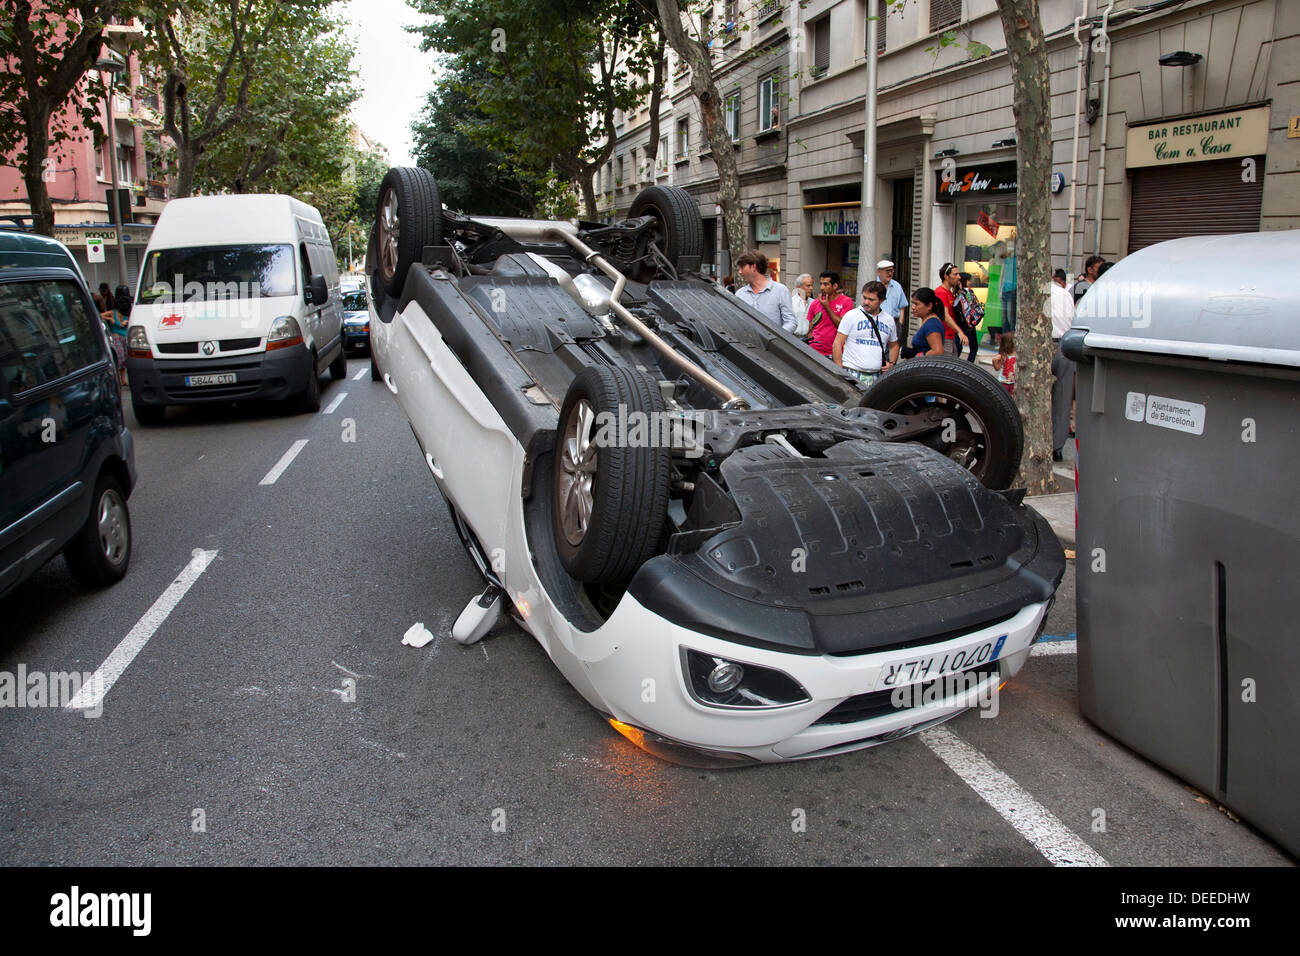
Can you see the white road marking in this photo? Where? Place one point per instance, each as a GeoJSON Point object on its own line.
{"type": "Point", "coordinates": [285, 461]}
{"type": "Point", "coordinates": [1044, 648]}
{"type": "Point", "coordinates": [360, 375]}
{"type": "Point", "coordinates": [1031, 819]}
{"type": "Point", "coordinates": [338, 400]}
{"type": "Point", "coordinates": [91, 695]}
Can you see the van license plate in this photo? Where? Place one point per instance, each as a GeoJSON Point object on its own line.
{"type": "Point", "coordinates": [225, 378]}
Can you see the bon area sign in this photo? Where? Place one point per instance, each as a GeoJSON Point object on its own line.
{"type": "Point", "coordinates": [1227, 135]}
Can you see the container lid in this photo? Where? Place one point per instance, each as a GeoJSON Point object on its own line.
{"type": "Point", "coordinates": [1227, 298]}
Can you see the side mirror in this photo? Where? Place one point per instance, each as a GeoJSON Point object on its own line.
{"type": "Point", "coordinates": [317, 293]}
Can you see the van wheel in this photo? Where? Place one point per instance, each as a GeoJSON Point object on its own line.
{"type": "Point", "coordinates": [339, 367]}
{"type": "Point", "coordinates": [408, 218]}
{"type": "Point", "coordinates": [987, 436]}
{"type": "Point", "coordinates": [609, 499]}
{"type": "Point", "coordinates": [309, 401]}
{"type": "Point", "coordinates": [149, 416]}
{"type": "Point", "coordinates": [101, 550]}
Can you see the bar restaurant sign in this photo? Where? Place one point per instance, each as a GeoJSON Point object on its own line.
{"type": "Point", "coordinates": [1229, 135]}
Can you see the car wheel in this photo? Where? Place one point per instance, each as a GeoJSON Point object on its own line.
{"type": "Point", "coordinates": [374, 368]}
{"type": "Point", "coordinates": [610, 497]}
{"type": "Point", "coordinates": [149, 416]}
{"type": "Point", "coordinates": [101, 550]}
{"type": "Point", "coordinates": [309, 400]}
{"type": "Point", "coordinates": [680, 231]}
{"type": "Point", "coordinates": [407, 218]}
{"type": "Point", "coordinates": [987, 435]}
{"type": "Point", "coordinates": [339, 367]}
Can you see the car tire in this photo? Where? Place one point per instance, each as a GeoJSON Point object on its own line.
{"type": "Point", "coordinates": [608, 525]}
{"type": "Point", "coordinates": [339, 367]}
{"type": "Point", "coordinates": [149, 416]}
{"type": "Point", "coordinates": [681, 228]}
{"type": "Point", "coordinates": [990, 436]}
{"type": "Point", "coordinates": [374, 368]}
{"type": "Point", "coordinates": [309, 399]}
{"type": "Point", "coordinates": [408, 217]}
{"type": "Point", "coordinates": [101, 550]}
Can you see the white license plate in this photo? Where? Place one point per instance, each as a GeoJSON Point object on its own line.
{"type": "Point", "coordinates": [930, 666]}
{"type": "Point", "coordinates": [224, 378]}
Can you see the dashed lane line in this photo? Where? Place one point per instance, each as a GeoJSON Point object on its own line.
{"type": "Point", "coordinates": [91, 695]}
{"type": "Point", "coordinates": [360, 375]}
{"type": "Point", "coordinates": [1032, 820]}
{"type": "Point", "coordinates": [338, 400]}
{"type": "Point", "coordinates": [285, 461]}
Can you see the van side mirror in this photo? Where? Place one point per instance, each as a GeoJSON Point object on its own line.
{"type": "Point", "coordinates": [317, 293]}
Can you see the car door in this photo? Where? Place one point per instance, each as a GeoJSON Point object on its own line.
{"type": "Point", "coordinates": [53, 363]}
{"type": "Point", "coordinates": [311, 313]}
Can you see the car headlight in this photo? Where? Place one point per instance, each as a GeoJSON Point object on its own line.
{"type": "Point", "coordinates": [719, 682]}
{"type": "Point", "coordinates": [283, 333]}
{"type": "Point", "coordinates": [137, 342]}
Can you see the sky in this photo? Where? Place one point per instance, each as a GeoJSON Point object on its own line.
{"type": "Point", "coordinates": [394, 74]}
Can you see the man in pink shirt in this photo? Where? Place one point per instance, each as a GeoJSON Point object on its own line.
{"type": "Point", "coordinates": [825, 312]}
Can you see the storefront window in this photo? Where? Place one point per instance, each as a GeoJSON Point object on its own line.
{"type": "Point", "coordinates": [986, 245]}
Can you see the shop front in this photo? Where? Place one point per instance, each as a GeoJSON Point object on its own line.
{"type": "Point", "coordinates": [833, 230]}
{"type": "Point", "coordinates": [1199, 175]}
{"type": "Point", "coordinates": [766, 233]}
{"type": "Point", "coordinates": [980, 204]}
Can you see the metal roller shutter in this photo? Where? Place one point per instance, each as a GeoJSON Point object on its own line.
{"type": "Point", "coordinates": [1193, 199]}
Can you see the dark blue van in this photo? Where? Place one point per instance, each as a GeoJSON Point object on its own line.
{"type": "Point", "coordinates": [67, 461]}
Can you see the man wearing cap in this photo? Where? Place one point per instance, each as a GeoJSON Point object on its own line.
{"type": "Point", "coordinates": [895, 302]}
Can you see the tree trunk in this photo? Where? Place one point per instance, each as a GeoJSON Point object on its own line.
{"type": "Point", "coordinates": [696, 55]}
{"type": "Point", "coordinates": [1032, 106]}
{"type": "Point", "coordinates": [586, 179]}
{"type": "Point", "coordinates": [38, 146]}
{"type": "Point", "coordinates": [656, 98]}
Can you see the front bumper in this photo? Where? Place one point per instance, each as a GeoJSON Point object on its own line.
{"type": "Point", "coordinates": [643, 685]}
{"type": "Point", "coordinates": [270, 376]}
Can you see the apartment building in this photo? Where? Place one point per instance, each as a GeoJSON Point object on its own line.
{"type": "Point", "coordinates": [1182, 119]}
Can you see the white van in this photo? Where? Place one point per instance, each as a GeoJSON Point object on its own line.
{"type": "Point", "coordinates": [238, 299]}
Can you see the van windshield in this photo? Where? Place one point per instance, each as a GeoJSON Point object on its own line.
{"type": "Point", "coordinates": [205, 273]}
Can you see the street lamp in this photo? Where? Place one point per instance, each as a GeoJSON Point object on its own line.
{"type": "Point", "coordinates": [112, 63]}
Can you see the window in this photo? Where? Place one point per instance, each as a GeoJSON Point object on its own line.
{"type": "Point", "coordinates": [769, 109]}
{"type": "Point", "coordinates": [609, 177]}
{"type": "Point", "coordinates": [618, 178]}
{"type": "Point", "coordinates": [125, 165]}
{"type": "Point", "coordinates": [663, 154]}
{"type": "Point", "coordinates": [821, 46]}
{"type": "Point", "coordinates": [45, 333]}
{"type": "Point", "coordinates": [731, 20]}
{"type": "Point", "coordinates": [731, 112]}
{"type": "Point", "coordinates": [944, 13]}
{"type": "Point", "coordinates": [683, 138]}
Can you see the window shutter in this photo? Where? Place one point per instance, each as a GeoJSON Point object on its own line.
{"type": "Point", "coordinates": [822, 45]}
{"type": "Point", "coordinates": [944, 13]}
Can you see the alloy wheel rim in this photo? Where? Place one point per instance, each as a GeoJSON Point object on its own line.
{"type": "Point", "coordinates": [390, 230]}
{"type": "Point", "coordinates": [111, 521]}
{"type": "Point", "coordinates": [578, 457]}
{"type": "Point", "coordinates": [970, 447]}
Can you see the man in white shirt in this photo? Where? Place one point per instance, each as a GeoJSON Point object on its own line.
{"type": "Point", "coordinates": [1063, 368]}
{"type": "Point", "coordinates": [801, 297]}
{"type": "Point", "coordinates": [894, 304]}
{"type": "Point", "coordinates": [864, 335]}
{"type": "Point", "coordinates": [762, 294]}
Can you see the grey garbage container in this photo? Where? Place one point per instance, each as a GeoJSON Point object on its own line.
{"type": "Point", "coordinates": [1188, 423]}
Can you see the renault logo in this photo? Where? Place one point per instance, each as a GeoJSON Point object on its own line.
{"type": "Point", "coordinates": [208, 347]}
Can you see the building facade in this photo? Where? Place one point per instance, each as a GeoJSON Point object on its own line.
{"type": "Point", "coordinates": [1168, 119]}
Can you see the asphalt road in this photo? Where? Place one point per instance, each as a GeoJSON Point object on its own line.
{"type": "Point", "coordinates": [276, 705]}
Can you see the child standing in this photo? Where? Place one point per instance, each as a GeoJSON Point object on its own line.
{"type": "Point", "coordinates": [1004, 363]}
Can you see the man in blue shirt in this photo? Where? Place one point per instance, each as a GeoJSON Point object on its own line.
{"type": "Point", "coordinates": [759, 292]}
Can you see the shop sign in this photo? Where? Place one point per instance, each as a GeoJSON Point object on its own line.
{"type": "Point", "coordinates": [1217, 136]}
{"type": "Point", "coordinates": [995, 179]}
{"type": "Point", "coordinates": [767, 227]}
{"type": "Point", "coordinates": [80, 235]}
{"type": "Point", "coordinates": [835, 222]}
{"type": "Point", "coordinates": [988, 224]}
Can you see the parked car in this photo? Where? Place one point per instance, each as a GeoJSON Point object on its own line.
{"type": "Point", "coordinates": [238, 299]}
{"type": "Point", "coordinates": [356, 320]}
{"type": "Point", "coordinates": [67, 460]}
{"type": "Point", "coordinates": [725, 544]}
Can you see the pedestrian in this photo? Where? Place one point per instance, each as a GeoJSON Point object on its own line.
{"type": "Point", "coordinates": [103, 298]}
{"type": "Point", "coordinates": [1092, 269]}
{"type": "Point", "coordinates": [763, 294]}
{"type": "Point", "coordinates": [895, 302]}
{"type": "Point", "coordinates": [729, 283]}
{"type": "Point", "coordinates": [800, 300]}
{"type": "Point", "coordinates": [1004, 363]}
{"type": "Point", "coordinates": [825, 313]}
{"type": "Point", "coordinates": [1063, 367]}
{"type": "Point", "coordinates": [115, 323]}
{"type": "Point", "coordinates": [866, 343]}
{"type": "Point", "coordinates": [972, 313]}
{"type": "Point", "coordinates": [1009, 292]}
{"type": "Point", "coordinates": [946, 290]}
{"type": "Point", "coordinates": [928, 339]}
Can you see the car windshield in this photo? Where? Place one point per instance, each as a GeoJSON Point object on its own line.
{"type": "Point", "coordinates": [354, 302]}
{"type": "Point", "coordinates": [218, 272]}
